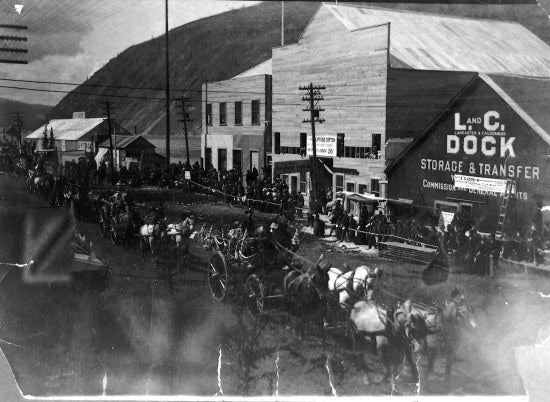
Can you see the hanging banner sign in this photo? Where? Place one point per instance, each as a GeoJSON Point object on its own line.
{"type": "Point", "coordinates": [445, 219]}
{"type": "Point", "coordinates": [326, 145]}
{"type": "Point", "coordinates": [480, 184]}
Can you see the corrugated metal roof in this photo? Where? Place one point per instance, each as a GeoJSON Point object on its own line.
{"type": "Point", "coordinates": [67, 129]}
{"type": "Point", "coordinates": [263, 68]}
{"type": "Point", "coordinates": [435, 42]}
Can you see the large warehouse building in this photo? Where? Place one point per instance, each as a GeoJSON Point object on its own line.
{"type": "Point", "coordinates": [387, 75]}
{"type": "Point", "coordinates": [495, 129]}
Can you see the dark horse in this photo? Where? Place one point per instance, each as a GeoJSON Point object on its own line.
{"type": "Point", "coordinates": [305, 291]}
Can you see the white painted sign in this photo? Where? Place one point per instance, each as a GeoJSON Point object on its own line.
{"type": "Point", "coordinates": [480, 135]}
{"type": "Point", "coordinates": [326, 145]}
{"type": "Point", "coordinates": [188, 175]}
{"type": "Point", "coordinates": [445, 219]}
{"type": "Point", "coordinates": [480, 184]}
{"type": "Point", "coordinates": [84, 146]}
{"type": "Point", "coordinates": [79, 115]}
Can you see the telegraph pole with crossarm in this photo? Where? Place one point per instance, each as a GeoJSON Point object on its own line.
{"type": "Point", "coordinates": [185, 118]}
{"type": "Point", "coordinates": [313, 97]}
{"type": "Point", "coordinates": [107, 109]}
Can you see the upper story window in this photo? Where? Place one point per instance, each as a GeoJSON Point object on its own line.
{"type": "Point", "coordinates": [238, 113]}
{"type": "Point", "coordinates": [303, 143]}
{"type": "Point", "coordinates": [209, 114]}
{"type": "Point", "coordinates": [256, 112]}
{"type": "Point", "coordinates": [223, 114]}
{"type": "Point", "coordinates": [277, 141]}
{"type": "Point", "coordinates": [340, 144]}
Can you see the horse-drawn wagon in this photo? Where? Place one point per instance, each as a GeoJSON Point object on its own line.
{"type": "Point", "coordinates": [254, 266]}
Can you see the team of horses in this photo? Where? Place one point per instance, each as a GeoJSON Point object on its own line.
{"type": "Point", "coordinates": [409, 329]}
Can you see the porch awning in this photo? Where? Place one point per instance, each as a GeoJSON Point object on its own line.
{"type": "Point", "coordinates": [339, 170]}
{"type": "Point", "coordinates": [360, 198]}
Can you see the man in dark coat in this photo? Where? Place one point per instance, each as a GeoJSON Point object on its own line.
{"type": "Point", "coordinates": [247, 224]}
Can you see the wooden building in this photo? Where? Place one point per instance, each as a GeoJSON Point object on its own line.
{"type": "Point", "coordinates": [494, 127]}
{"type": "Point", "coordinates": [369, 60]}
{"type": "Point", "coordinates": [77, 137]}
{"type": "Point", "coordinates": [236, 123]}
{"type": "Point", "coordinates": [128, 149]}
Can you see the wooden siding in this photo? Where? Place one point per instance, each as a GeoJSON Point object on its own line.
{"type": "Point", "coordinates": [353, 68]}
{"type": "Point", "coordinates": [234, 90]}
{"type": "Point", "coordinates": [230, 91]}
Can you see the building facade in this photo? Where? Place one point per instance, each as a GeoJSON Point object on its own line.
{"type": "Point", "coordinates": [237, 121]}
{"type": "Point", "coordinates": [496, 128]}
{"type": "Point", "coordinates": [77, 137]}
{"type": "Point", "coordinates": [365, 59]}
{"type": "Point", "coordinates": [350, 140]}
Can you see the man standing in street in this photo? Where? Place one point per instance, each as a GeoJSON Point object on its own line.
{"type": "Point", "coordinates": [247, 223]}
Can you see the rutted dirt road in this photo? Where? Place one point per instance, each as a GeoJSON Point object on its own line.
{"type": "Point", "coordinates": [146, 341]}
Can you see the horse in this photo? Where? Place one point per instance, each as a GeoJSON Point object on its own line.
{"type": "Point", "coordinates": [352, 285]}
{"type": "Point", "coordinates": [442, 328]}
{"type": "Point", "coordinates": [393, 333]}
{"type": "Point", "coordinates": [150, 233]}
{"type": "Point", "coordinates": [179, 233]}
{"type": "Point", "coordinates": [122, 228]}
{"type": "Point", "coordinates": [304, 291]}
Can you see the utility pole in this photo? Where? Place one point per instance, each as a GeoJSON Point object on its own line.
{"type": "Point", "coordinates": [107, 108]}
{"type": "Point", "coordinates": [313, 96]}
{"type": "Point", "coordinates": [167, 58]}
{"type": "Point", "coordinates": [185, 119]}
{"type": "Point", "coordinates": [282, 23]}
{"type": "Point", "coordinates": [19, 123]}
{"type": "Point", "coordinates": [206, 123]}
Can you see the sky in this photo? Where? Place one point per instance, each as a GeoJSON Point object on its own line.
{"type": "Point", "coordinates": [68, 40]}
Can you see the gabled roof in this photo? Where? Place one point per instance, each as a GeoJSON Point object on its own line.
{"type": "Point", "coordinates": [414, 143]}
{"type": "Point", "coordinates": [528, 97]}
{"type": "Point", "coordinates": [415, 97]}
{"type": "Point", "coordinates": [122, 141]}
{"type": "Point", "coordinates": [264, 68]}
{"type": "Point", "coordinates": [67, 129]}
{"type": "Point", "coordinates": [436, 42]}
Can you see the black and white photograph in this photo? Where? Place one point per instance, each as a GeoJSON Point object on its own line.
{"type": "Point", "coordinates": [274, 200]}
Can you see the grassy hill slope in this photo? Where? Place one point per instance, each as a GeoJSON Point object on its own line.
{"type": "Point", "coordinates": [215, 48]}
{"type": "Point", "coordinates": [220, 47]}
{"type": "Point", "coordinates": [33, 116]}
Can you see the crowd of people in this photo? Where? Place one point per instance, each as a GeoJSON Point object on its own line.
{"type": "Point", "coordinates": [459, 240]}
{"type": "Point", "coordinates": [252, 191]}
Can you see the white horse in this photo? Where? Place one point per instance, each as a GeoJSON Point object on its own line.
{"type": "Point", "coordinates": [352, 285]}
{"type": "Point", "coordinates": [179, 233]}
{"type": "Point", "coordinates": [149, 235]}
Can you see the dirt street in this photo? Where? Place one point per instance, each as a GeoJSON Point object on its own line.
{"type": "Point", "coordinates": [64, 341]}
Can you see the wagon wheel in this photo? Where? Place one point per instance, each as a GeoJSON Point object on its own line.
{"type": "Point", "coordinates": [255, 299]}
{"type": "Point", "coordinates": [218, 278]}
